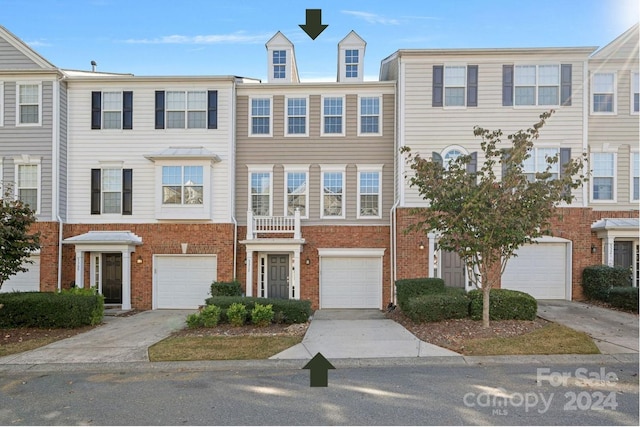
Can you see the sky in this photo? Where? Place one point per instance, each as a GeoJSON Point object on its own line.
{"type": "Point", "coordinates": [223, 37]}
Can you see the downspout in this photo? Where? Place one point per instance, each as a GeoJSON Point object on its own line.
{"type": "Point", "coordinates": [585, 128]}
{"type": "Point", "coordinates": [394, 270]}
{"type": "Point", "coordinates": [232, 176]}
{"type": "Point", "coordinates": [56, 172]}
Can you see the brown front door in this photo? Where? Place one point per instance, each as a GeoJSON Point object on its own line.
{"type": "Point", "coordinates": [452, 269]}
{"type": "Point", "coordinates": [112, 278]}
{"type": "Point", "coordinates": [278, 276]}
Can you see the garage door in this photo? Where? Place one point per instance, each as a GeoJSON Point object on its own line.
{"type": "Point", "coordinates": [540, 270]}
{"type": "Point", "coordinates": [183, 281]}
{"type": "Point", "coordinates": [26, 281]}
{"type": "Point", "coordinates": [350, 282]}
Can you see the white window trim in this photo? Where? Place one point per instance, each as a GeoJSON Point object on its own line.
{"type": "Point", "coordinates": [358, 64]}
{"type": "Point", "coordinates": [186, 110]}
{"type": "Point", "coordinates": [615, 178]}
{"type": "Point", "coordinates": [444, 86]}
{"type": "Point", "coordinates": [632, 155]}
{"type": "Point", "coordinates": [170, 211]}
{"type": "Point", "coordinates": [29, 83]}
{"type": "Point", "coordinates": [272, 65]}
{"type": "Point", "coordinates": [183, 186]}
{"type": "Point", "coordinates": [450, 148]}
{"type": "Point", "coordinates": [250, 130]}
{"type": "Point", "coordinates": [370, 168]}
{"type": "Point", "coordinates": [103, 110]}
{"type": "Point", "coordinates": [260, 169]}
{"type": "Point", "coordinates": [296, 169]}
{"type": "Point", "coordinates": [1, 108]}
{"type": "Point", "coordinates": [615, 96]}
{"type": "Point", "coordinates": [306, 117]}
{"type": "Point", "coordinates": [535, 158]}
{"type": "Point", "coordinates": [102, 169]}
{"type": "Point", "coordinates": [634, 76]}
{"type": "Point", "coordinates": [333, 169]}
{"type": "Point", "coordinates": [536, 104]}
{"type": "Point", "coordinates": [379, 133]}
{"type": "Point", "coordinates": [344, 112]}
{"type": "Point", "coordinates": [26, 160]}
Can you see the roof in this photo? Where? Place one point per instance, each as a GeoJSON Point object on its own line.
{"type": "Point", "coordinates": [105, 237]}
{"type": "Point", "coordinates": [183, 153]}
{"type": "Point", "coordinates": [616, 224]}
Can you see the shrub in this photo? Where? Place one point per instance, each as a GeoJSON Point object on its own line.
{"type": "Point", "coordinates": [237, 314]}
{"type": "Point", "coordinates": [231, 289]}
{"type": "Point", "coordinates": [288, 310]}
{"type": "Point", "coordinates": [625, 298]}
{"type": "Point", "coordinates": [409, 288]}
{"type": "Point", "coordinates": [67, 309]}
{"type": "Point", "coordinates": [262, 315]}
{"type": "Point", "coordinates": [194, 321]}
{"type": "Point", "coordinates": [597, 280]}
{"type": "Point", "coordinates": [504, 304]}
{"type": "Point", "coordinates": [452, 303]}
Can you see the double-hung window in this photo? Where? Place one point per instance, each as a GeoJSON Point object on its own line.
{"type": "Point", "coordinates": [112, 110]}
{"type": "Point", "coordinates": [297, 116]}
{"type": "Point", "coordinates": [635, 94]}
{"type": "Point", "coordinates": [186, 109]}
{"type": "Point", "coordinates": [369, 115]}
{"type": "Point", "coordinates": [603, 99]}
{"type": "Point", "coordinates": [369, 192]}
{"type": "Point", "coordinates": [635, 178]}
{"type": "Point", "coordinates": [182, 185]}
{"type": "Point", "coordinates": [260, 193]}
{"type": "Point", "coordinates": [351, 61]}
{"type": "Point", "coordinates": [455, 86]}
{"type": "Point", "coordinates": [297, 190]}
{"type": "Point", "coordinates": [260, 111]}
{"type": "Point", "coordinates": [603, 176]}
{"type": "Point", "coordinates": [537, 85]}
{"type": "Point", "coordinates": [28, 185]}
{"type": "Point", "coordinates": [279, 64]}
{"type": "Point", "coordinates": [29, 104]}
{"type": "Point", "coordinates": [111, 190]}
{"type": "Point", "coordinates": [332, 193]}
{"type": "Point", "coordinates": [537, 163]}
{"type": "Point", "coordinates": [332, 116]}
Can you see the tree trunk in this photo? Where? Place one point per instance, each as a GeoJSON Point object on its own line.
{"type": "Point", "coordinates": [486, 289]}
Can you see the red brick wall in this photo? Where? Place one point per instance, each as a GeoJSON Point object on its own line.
{"type": "Point", "coordinates": [411, 261]}
{"type": "Point", "coordinates": [48, 254]}
{"type": "Point", "coordinates": [158, 239]}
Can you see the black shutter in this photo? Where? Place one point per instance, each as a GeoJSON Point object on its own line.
{"type": "Point", "coordinates": [472, 86]}
{"type": "Point", "coordinates": [565, 89]}
{"type": "Point", "coordinates": [95, 191]}
{"type": "Point", "coordinates": [96, 110]}
{"type": "Point", "coordinates": [212, 108]}
{"type": "Point", "coordinates": [127, 191]}
{"type": "Point", "coordinates": [438, 85]}
{"type": "Point", "coordinates": [507, 85]}
{"type": "Point", "coordinates": [437, 158]}
{"type": "Point", "coordinates": [472, 166]}
{"type": "Point", "coordinates": [565, 157]}
{"type": "Point", "coordinates": [127, 110]}
{"type": "Point", "coordinates": [159, 109]}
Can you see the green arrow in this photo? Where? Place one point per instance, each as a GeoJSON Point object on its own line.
{"type": "Point", "coordinates": [313, 27]}
{"type": "Point", "coordinates": [318, 370]}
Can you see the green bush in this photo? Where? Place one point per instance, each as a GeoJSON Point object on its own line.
{"type": "Point", "coordinates": [230, 289]}
{"type": "Point", "coordinates": [285, 310]}
{"type": "Point", "coordinates": [262, 315]}
{"type": "Point", "coordinates": [67, 309]}
{"type": "Point", "coordinates": [452, 303]}
{"type": "Point", "coordinates": [194, 321]}
{"type": "Point", "coordinates": [625, 298]}
{"type": "Point", "coordinates": [409, 288]}
{"type": "Point", "coordinates": [597, 280]}
{"type": "Point", "coordinates": [504, 304]}
{"type": "Point", "coordinates": [237, 314]}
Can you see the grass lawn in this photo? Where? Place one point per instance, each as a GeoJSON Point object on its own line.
{"type": "Point", "coordinates": [551, 339]}
{"type": "Point", "coordinates": [220, 348]}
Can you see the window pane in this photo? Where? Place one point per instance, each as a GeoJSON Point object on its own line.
{"type": "Point", "coordinates": [455, 76]}
{"type": "Point", "coordinates": [297, 106]}
{"type": "Point", "coordinates": [603, 103]}
{"type": "Point", "coordinates": [171, 175]}
{"type": "Point", "coordinates": [171, 195]}
{"type": "Point", "coordinates": [260, 183]}
{"type": "Point", "coordinates": [369, 106]}
{"type": "Point", "coordinates": [197, 100]}
{"type": "Point", "coordinates": [548, 75]}
{"type": "Point", "coordinates": [636, 175]}
{"type": "Point", "coordinates": [192, 195]}
{"type": "Point", "coordinates": [333, 125]}
{"type": "Point", "coordinates": [548, 95]}
{"type": "Point", "coordinates": [28, 114]}
{"type": "Point", "coordinates": [351, 56]}
{"type": "Point", "coordinates": [333, 106]}
{"type": "Point", "coordinates": [369, 205]}
{"type": "Point", "coordinates": [525, 96]}
{"type": "Point", "coordinates": [260, 125]}
{"type": "Point", "coordinates": [297, 125]}
{"type": "Point", "coordinates": [29, 94]}
{"type": "Point", "coordinates": [603, 164]}
{"type": "Point", "coordinates": [525, 75]}
{"type": "Point", "coordinates": [197, 119]}
{"type": "Point", "coordinates": [28, 176]}
{"type": "Point", "coordinates": [603, 83]}
{"type": "Point", "coordinates": [111, 202]}
{"type": "Point", "coordinates": [542, 155]}
{"type": "Point", "coordinates": [332, 205]}
{"type": "Point", "coordinates": [193, 175]}
{"type": "Point", "coordinates": [296, 183]}
{"type": "Point", "coordinates": [260, 107]}
{"type": "Point", "coordinates": [369, 182]}
{"type": "Point", "coordinates": [369, 124]}
{"type": "Point", "coordinates": [603, 188]}
{"type": "Point", "coordinates": [175, 101]}
{"type": "Point", "coordinates": [297, 201]}
{"type": "Point", "coordinates": [175, 119]}
{"type": "Point", "coordinates": [454, 96]}
{"type": "Point", "coordinates": [279, 56]}
{"type": "Point", "coordinates": [112, 120]}
{"type": "Point", "coordinates": [112, 101]}
{"type": "Point", "coordinates": [352, 71]}
{"type": "Point", "coordinates": [29, 197]}
{"type": "Point", "coordinates": [260, 205]}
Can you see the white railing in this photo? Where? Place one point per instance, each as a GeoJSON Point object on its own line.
{"type": "Point", "coordinates": [273, 225]}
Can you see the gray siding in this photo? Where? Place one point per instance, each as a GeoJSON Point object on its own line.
{"type": "Point", "coordinates": [13, 59]}
{"type": "Point", "coordinates": [62, 191]}
{"type": "Point", "coordinates": [315, 150]}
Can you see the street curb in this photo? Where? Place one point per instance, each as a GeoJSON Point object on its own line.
{"type": "Point", "coordinates": [231, 365]}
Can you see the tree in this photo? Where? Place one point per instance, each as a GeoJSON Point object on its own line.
{"type": "Point", "coordinates": [16, 243]}
{"type": "Point", "coordinates": [485, 219]}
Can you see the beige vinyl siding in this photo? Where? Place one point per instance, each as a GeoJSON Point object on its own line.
{"type": "Point", "coordinates": [315, 150]}
{"type": "Point", "coordinates": [88, 147]}
{"type": "Point", "coordinates": [428, 129]}
{"type": "Point", "coordinates": [13, 59]}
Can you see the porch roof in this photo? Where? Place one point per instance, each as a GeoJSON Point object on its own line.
{"type": "Point", "coordinates": [616, 224]}
{"type": "Point", "coordinates": [184, 153]}
{"type": "Point", "coordinates": [105, 238]}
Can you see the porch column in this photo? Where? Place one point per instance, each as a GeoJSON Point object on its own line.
{"type": "Point", "coordinates": [608, 251]}
{"type": "Point", "coordinates": [249, 225]}
{"type": "Point", "coordinates": [126, 280]}
{"type": "Point", "coordinates": [294, 286]}
{"type": "Point", "coordinates": [79, 268]}
{"type": "Point", "coordinates": [432, 254]}
{"type": "Point", "coordinates": [296, 225]}
{"type": "Point", "coordinates": [249, 270]}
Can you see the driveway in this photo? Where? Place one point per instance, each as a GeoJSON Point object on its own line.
{"type": "Point", "coordinates": [119, 339]}
{"type": "Point", "coordinates": [347, 334]}
{"type": "Point", "coordinates": [612, 331]}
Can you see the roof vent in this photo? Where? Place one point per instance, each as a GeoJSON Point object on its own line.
{"type": "Point", "coordinates": [94, 64]}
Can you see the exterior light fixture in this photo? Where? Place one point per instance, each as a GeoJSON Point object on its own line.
{"type": "Point", "coordinates": [139, 260]}
{"type": "Point", "coordinates": [594, 249]}
{"type": "Point", "coordinates": [307, 261]}
{"type": "Point", "coordinates": [421, 246]}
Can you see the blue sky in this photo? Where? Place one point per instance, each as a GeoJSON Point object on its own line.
{"type": "Point", "coordinates": [214, 37]}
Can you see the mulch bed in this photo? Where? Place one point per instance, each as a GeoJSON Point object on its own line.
{"type": "Point", "coordinates": [18, 335]}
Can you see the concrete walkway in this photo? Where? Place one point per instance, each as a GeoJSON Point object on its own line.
{"type": "Point", "coordinates": [612, 331]}
{"type": "Point", "coordinates": [340, 334]}
{"type": "Point", "coordinates": [119, 339]}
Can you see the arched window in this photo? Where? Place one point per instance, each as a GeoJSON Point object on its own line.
{"type": "Point", "coordinates": [449, 154]}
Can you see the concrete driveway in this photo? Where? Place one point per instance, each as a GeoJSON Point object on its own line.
{"type": "Point", "coordinates": [612, 331]}
{"type": "Point", "coordinates": [348, 334]}
{"type": "Point", "coordinates": [119, 339]}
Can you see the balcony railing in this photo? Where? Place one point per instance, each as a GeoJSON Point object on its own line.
{"type": "Point", "coordinates": [273, 225]}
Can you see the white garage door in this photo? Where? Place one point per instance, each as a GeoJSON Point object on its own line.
{"type": "Point", "coordinates": [183, 281]}
{"type": "Point", "coordinates": [539, 270]}
{"type": "Point", "coordinates": [350, 282]}
{"type": "Point", "coordinates": [26, 281]}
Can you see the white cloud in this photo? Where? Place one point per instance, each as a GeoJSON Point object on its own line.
{"type": "Point", "coordinates": [237, 37]}
{"type": "Point", "coordinates": [37, 43]}
{"type": "Point", "coordinates": [372, 18]}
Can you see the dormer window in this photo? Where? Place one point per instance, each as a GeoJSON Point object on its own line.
{"type": "Point", "coordinates": [279, 64]}
{"type": "Point", "coordinates": [351, 63]}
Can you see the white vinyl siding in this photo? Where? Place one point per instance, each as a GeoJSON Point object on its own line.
{"type": "Point", "coordinates": [28, 104]}
{"type": "Point", "coordinates": [603, 93]}
{"type": "Point", "coordinates": [603, 178]}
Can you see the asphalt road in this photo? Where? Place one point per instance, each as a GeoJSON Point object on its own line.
{"type": "Point", "coordinates": [507, 394]}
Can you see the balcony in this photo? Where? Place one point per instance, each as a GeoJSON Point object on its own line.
{"type": "Point", "coordinates": [273, 226]}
